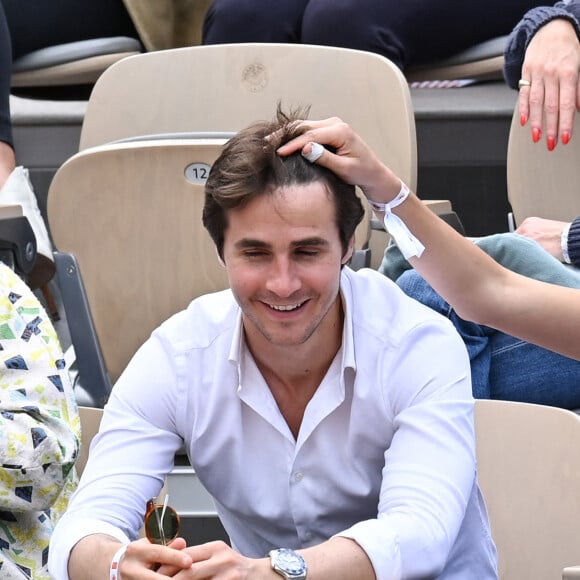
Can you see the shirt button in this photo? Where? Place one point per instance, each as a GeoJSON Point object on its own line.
{"type": "Point", "coordinates": [298, 476]}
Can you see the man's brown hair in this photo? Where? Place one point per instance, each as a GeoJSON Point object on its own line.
{"type": "Point", "coordinates": [249, 166]}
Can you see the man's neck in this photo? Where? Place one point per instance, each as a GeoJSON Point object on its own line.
{"type": "Point", "coordinates": [293, 373]}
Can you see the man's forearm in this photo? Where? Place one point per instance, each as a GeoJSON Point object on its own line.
{"type": "Point", "coordinates": [340, 559]}
{"type": "Point", "coordinates": [90, 559]}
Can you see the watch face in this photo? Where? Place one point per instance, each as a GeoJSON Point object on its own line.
{"type": "Point", "coordinates": [290, 562]}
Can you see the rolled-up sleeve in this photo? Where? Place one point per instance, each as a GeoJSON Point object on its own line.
{"type": "Point", "coordinates": [429, 470]}
{"type": "Point", "coordinates": [137, 431]}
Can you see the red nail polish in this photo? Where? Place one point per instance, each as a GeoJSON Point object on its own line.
{"type": "Point", "coordinates": [523, 120]}
{"type": "Point", "coordinates": [565, 138]}
{"type": "Point", "coordinates": [551, 143]}
{"type": "Point", "coordinates": [536, 134]}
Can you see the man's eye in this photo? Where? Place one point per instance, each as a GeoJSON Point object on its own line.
{"type": "Point", "coordinates": [254, 254]}
{"type": "Point", "coordinates": [304, 252]}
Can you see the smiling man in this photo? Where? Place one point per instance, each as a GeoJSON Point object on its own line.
{"type": "Point", "coordinates": [329, 415]}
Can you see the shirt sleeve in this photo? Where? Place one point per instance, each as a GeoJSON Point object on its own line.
{"type": "Point", "coordinates": [429, 470]}
{"type": "Point", "coordinates": [39, 423]}
{"type": "Point", "coordinates": [523, 32]}
{"type": "Point", "coordinates": [112, 495]}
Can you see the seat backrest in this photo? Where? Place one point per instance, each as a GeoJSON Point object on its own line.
{"type": "Point", "coordinates": [482, 62]}
{"type": "Point", "coordinates": [542, 183]}
{"type": "Point", "coordinates": [529, 473]}
{"type": "Point", "coordinates": [90, 422]}
{"type": "Point", "coordinates": [227, 87]}
{"type": "Point", "coordinates": [131, 214]}
{"type": "Point", "coordinates": [74, 63]}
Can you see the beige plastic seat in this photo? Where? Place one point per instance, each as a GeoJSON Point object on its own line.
{"type": "Point", "coordinates": [481, 62]}
{"type": "Point", "coordinates": [542, 183]}
{"type": "Point", "coordinates": [227, 87]}
{"type": "Point", "coordinates": [243, 82]}
{"type": "Point", "coordinates": [74, 63]}
{"type": "Point", "coordinates": [90, 422]}
{"type": "Point", "coordinates": [529, 472]}
{"type": "Point", "coordinates": [131, 214]}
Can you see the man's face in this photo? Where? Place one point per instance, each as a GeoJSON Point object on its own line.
{"type": "Point", "coordinates": [283, 256]}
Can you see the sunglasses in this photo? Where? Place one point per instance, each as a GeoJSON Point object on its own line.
{"type": "Point", "coordinates": [161, 522]}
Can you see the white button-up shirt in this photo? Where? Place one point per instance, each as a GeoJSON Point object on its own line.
{"type": "Point", "coordinates": [385, 454]}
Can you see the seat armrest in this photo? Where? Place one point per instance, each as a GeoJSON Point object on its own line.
{"type": "Point", "coordinates": [571, 573]}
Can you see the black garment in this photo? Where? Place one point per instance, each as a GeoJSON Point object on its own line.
{"type": "Point", "coordinates": [408, 32]}
{"type": "Point", "coordinates": [27, 25]}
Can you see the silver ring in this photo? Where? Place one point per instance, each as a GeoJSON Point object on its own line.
{"type": "Point", "coordinates": [316, 151]}
{"type": "Point", "coordinates": [524, 83]}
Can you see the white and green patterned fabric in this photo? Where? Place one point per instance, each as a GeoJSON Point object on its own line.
{"type": "Point", "coordinates": [39, 431]}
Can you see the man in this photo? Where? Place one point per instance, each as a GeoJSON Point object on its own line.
{"type": "Point", "coordinates": [324, 410]}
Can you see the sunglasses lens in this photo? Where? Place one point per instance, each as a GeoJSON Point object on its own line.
{"type": "Point", "coordinates": [162, 530]}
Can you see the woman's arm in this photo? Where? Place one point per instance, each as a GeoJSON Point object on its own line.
{"type": "Point", "coordinates": [544, 49]}
{"type": "Point", "coordinates": [475, 285]}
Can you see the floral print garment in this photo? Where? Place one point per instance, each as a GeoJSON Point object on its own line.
{"type": "Point", "coordinates": [39, 431]}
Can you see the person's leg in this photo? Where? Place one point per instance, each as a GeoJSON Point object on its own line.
{"type": "Point", "coordinates": [7, 160]}
{"type": "Point", "coordinates": [410, 32]}
{"type": "Point", "coordinates": [523, 372]}
{"type": "Point", "coordinates": [253, 21]}
{"type": "Point", "coordinates": [502, 366]}
{"type": "Point", "coordinates": [36, 24]}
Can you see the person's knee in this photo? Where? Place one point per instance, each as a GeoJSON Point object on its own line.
{"type": "Point", "coordinates": [231, 21]}
{"type": "Point", "coordinates": [348, 24]}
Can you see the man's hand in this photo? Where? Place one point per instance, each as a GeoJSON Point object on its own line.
{"type": "Point", "coordinates": [216, 560]}
{"type": "Point", "coordinates": [547, 233]}
{"type": "Point", "coordinates": [552, 65]}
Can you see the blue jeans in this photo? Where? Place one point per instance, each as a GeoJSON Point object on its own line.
{"type": "Point", "coordinates": [504, 367]}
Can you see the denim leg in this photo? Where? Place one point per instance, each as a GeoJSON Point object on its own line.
{"type": "Point", "coordinates": [502, 366]}
{"type": "Point", "coordinates": [475, 336]}
{"type": "Point", "coordinates": [524, 372]}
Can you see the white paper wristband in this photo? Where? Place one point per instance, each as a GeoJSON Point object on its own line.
{"type": "Point", "coordinates": [114, 570]}
{"type": "Point", "coordinates": [408, 244]}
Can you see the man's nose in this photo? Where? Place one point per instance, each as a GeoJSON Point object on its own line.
{"type": "Point", "coordinates": [283, 279]}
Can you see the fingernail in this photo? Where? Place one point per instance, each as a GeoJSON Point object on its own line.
{"type": "Point", "coordinates": [565, 138]}
{"type": "Point", "coordinates": [523, 120]}
{"type": "Point", "coordinates": [536, 134]}
{"type": "Point", "coordinates": [551, 143]}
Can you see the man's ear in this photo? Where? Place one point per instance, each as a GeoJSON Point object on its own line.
{"type": "Point", "coordinates": [349, 251]}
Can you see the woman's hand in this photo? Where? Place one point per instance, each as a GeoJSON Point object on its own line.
{"type": "Point", "coordinates": [354, 162]}
{"type": "Point", "coordinates": [548, 233]}
{"type": "Point", "coordinates": [552, 66]}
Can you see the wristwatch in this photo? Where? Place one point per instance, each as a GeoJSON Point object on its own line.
{"type": "Point", "coordinates": [288, 563]}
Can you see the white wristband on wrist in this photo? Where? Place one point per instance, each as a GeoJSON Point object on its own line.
{"type": "Point", "coordinates": [564, 244]}
{"type": "Point", "coordinates": [114, 570]}
{"type": "Point", "coordinates": [408, 244]}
